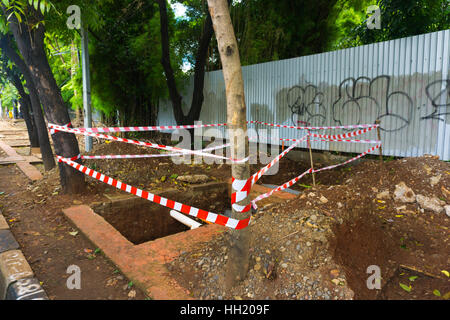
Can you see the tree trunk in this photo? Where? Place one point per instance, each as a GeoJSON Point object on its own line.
{"type": "Point", "coordinates": [30, 42]}
{"type": "Point", "coordinates": [238, 261]}
{"type": "Point", "coordinates": [25, 102]}
{"type": "Point", "coordinates": [41, 127]}
{"type": "Point", "coordinates": [199, 70]}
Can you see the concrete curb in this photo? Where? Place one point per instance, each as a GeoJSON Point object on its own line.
{"type": "Point", "coordinates": [17, 280]}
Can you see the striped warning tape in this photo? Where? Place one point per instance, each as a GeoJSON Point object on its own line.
{"type": "Point", "coordinates": [195, 126]}
{"type": "Point", "coordinates": [186, 209]}
{"type": "Point", "coordinates": [280, 188]}
{"type": "Point", "coordinates": [341, 136]}
{"type": "Point", "coordinates": [314, 140]}
{"type": "Point", "coordinates": [243, 187]}
{"type": "Point", "coordinates": [139, 156]}
{"type": "Point", "coordinates": [350, 160]}
{"type": "Point", "coordinates": [293, 181]}
{"type": "Point", "coordinates": [53, 131]}
{"type": "Point", "coordinates": [147, 144]}
{"type": "Point", "coordinates": [355, 126]}
{"type": "Point", "coordinates": [150, 128]}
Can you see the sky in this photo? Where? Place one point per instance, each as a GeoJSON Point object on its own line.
{"type": "Point", "coordinates": [178, 8]}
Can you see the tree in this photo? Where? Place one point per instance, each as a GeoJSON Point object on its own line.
{"type": "Point", "coordinates": [6, 44]}
{"type": "Point", "coordinates": [125, 58]}
{"type": "Point", "coordinates": [199, 68]}
{"type": "Point", "coordinates": [403, 18]}
{"type": "Point", "coordinates": [238, 262]}
{"type": "Point", "coordinates": [29, 32]}
{"type": "Point", "coordinates": [13, 75]}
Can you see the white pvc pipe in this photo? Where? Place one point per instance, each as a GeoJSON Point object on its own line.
{"type": "Point", "coordinates": [184, 219]}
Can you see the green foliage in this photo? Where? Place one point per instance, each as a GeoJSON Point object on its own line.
{"type": "Point", "coordinates": [8, 94]}
{"type": "Point", "coordinates": [125, 58]}
{"type": "Point", "coordinates": [403, 18]}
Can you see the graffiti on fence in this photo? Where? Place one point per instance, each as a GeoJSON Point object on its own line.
{"type": "Point", "coordinates": [438, 92]}
{"type": "Point", "coordinates": [307, 105]}
{"type": "Point", "coordinates": [365, 100]}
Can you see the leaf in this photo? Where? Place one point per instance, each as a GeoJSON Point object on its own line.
{"type": "Point", "coordinates": [436, 292]}
{"type": "Point", "coordinates": [174, 176]}
{"type": "Point", "coordinates": [73, 233]}
{"type": "Point", "coordinates": [405, 287]}
{"type": "Point", "coordinates": [19, 18]}
{"type": "Point", "coordinates": [446, 273]}
{"type": "Point", "coordinates": [413, 278]}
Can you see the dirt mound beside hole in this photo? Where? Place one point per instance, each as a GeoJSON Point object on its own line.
{"type": "Point", "coordinates": [359, 243]}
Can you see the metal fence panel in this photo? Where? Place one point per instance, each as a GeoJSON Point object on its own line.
{"type": "Point", "coordinates": [404, 83]}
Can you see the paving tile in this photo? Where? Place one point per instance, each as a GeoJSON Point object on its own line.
{"type": "Point", "coordinates": [7, 241]}
{"type": "Point", "coordinates": [26, 289]}
{"type": "Point", "coordinates": [3, 223]}
{"type": "Point", "coordinates": [13, 267]}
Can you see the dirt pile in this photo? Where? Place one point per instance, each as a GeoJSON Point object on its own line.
{"type": "Point", "coordinates": [319, 245]}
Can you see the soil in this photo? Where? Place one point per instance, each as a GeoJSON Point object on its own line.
{"type": "Point", "coordinates": [313, 249]}
{"type": "Point", "coordinates": [316, 246]}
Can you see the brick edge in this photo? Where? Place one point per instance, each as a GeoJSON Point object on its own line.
{"type": "Point", "coordinates": [20, 285]}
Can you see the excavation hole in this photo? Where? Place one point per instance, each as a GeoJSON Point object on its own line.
{"type": "Point", "coordinates": [140, 220]}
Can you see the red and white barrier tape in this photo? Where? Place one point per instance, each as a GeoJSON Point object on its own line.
{"type": "Point", "coordinates": [280, 188]}
{"type": "Point", "coordinates": [189, 210]}
{"type": "Point", "coordinates": [147, 144]}
{"type": "Point", "coordinates": [139, 156]}
{"type": "Point", "coordinates": [194, 126]}
{"type": "Point", "coordinates": [293, 181]}
{"type": "Point", "coordinates": [315, 140]}
{"type": "Point", "coordinates": [350, 160]}
{"type": "Point", "coordinates": [243, 187]}
{"type": "Point", "coordinates": [356, 126]}
{"type": "Point", "coordinates": [341, 140]}
{"type": "Point", "coordinates": [53, 131]}
{"type": "Point", "coordinates": [151, 128]}
{"type": "Point", "coordinates": [255, 177]}
{"type": "Point", "coordinates": [341, 136]}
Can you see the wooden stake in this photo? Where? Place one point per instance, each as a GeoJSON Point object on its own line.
{"type": "Point", "coordinates": [379, 138]}
{"type": "Point", "coordinates": [311, 159]}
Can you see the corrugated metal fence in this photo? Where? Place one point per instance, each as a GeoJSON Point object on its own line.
{"type": "Point", "coordinates": [404, 83]}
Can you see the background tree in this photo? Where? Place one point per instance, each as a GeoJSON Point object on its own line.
{"type": "Point", "coordinates": [12, 74]}
{"type": "Point", "coordinates": [7, 45]}
{"type": "Point", "coordinates": [403, 18]}
{"type": "Point", "coordinates": [26, 22]}
{"type": "Point", "coordinates": [199, 67]}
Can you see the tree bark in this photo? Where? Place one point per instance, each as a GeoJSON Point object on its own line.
{"type": "Point", "coordinates": [30, 41]}
{"type": "Point", "coordinates": [199, 69]}
{"type": "Point", "coordinates": [41, 127]}
{"type": "Point", "coordinates": [25, 108]}
{"type": "Point", "coordinates": [238, 261]}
